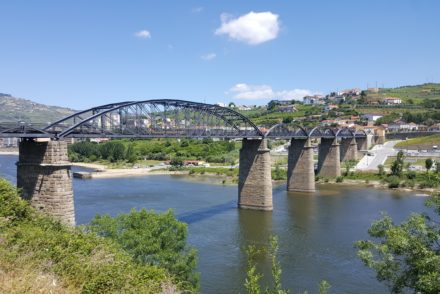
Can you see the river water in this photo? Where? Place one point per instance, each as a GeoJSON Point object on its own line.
{"type": "Point", "coordinates": [316, 232]}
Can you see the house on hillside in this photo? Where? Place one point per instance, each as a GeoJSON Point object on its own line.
{"type": "Point", "coordinates": [329, 107]}
{"type": "Point", "coordinates": [371, 116]}
{"type": "Point", "coordinates": [392, 101]}
{"type": "Point", "coordinates": [313, 100]}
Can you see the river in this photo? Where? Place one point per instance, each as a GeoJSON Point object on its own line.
{"type": "Point", "coordinates": [316, 232]}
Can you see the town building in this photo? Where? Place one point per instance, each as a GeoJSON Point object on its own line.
{"type": "Point", "coordinates": [313, 100]}
{"type": "Point", "coordinates": [392, 101]}
{"type": "Point", "coordinates": [371, 116]}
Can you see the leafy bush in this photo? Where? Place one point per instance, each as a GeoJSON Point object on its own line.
{"type": "Point", "coordinates": [82, 262]}
{"type": "Point", "coordinates": [411, 175]}
{"type": "Point", "coordinates": [152, 239]}
{"type": "Point", "coordinates": [405, 256]}
{"type": "Point", "coordinates": [339, 179]}
{"type": "Point", "coordinates": [393, 181]}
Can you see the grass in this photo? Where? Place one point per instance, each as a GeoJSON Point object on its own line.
{"type": "Point", "coordinates": [41, 255]}
{"type": "Point", "coordinates": [428, 140]}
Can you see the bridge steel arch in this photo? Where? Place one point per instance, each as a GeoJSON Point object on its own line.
{"type": "Point", "coordinates": [289, 131]}
{"type": "Point", "coordinates": [156, 119]}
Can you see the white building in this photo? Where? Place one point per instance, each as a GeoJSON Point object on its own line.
{"type": "Point", "coordinates": [312, 100]}
{"type": "Point", "coordinates": [392, 100]}
{"type": "Point", "coordinates": [371, 116]}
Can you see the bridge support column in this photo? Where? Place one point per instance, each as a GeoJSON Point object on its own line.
{"type": "Point", "coordinates": [255, 179]}
{"type": "Point", "coordinates": [362, 143]}
{"type": "Point", "coordinates": [348, 148]}
{"type": "Point", "coordinates": [329, 164]}
{"type": "Point", "coordinates": [380, 139]}
{"type": "Point", "coordinates": [44, 177]}
{"type": "Point", "coordinates": [300, 168]}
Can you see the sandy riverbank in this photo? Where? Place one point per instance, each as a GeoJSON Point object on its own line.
{"type": "Point", "coordinates": [3, 152]}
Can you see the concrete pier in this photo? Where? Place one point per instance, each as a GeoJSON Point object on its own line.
{"type": "Point", "coordinates": [300, 168]}
{"type": "Point", "coordinates": [44, 177]}
{"type": "Point", "coordinates": [255, 179]}
{"type": "Point", "coordinates": [348, 148]}
{"type": "Point", "coordinates": [329, 164]}
{"type": "Point", "coordinates": [362, 143]}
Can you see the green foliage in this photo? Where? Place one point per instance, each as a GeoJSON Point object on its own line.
{"type": "Point", "coordinates": [428, 140]}
{"type": "Point", "coordinates": [405, 256]}
{"type": "Point", "coordinates": [112, 151]}
{"type": "Point", "coordinates": [252, 283]}
{"type": "Point", "coordinates": [428, 164]}
{"type": "Point", "coordinates": [253, 277]}
{"type": "Point", "coordinates": [12, 207]}
{"type": "Point", "coordinates": [155, 149]}
{"type": "Point", "coordinates": [83, 262]}
{"type": "Point", "coordinates": [278, 173]}
{"type": "Point", "coordinates": [324, 286]}
{"type": "Point", "coordinates": [348, 165]}
{"type": "Point", "coordinates": [176, 162]}
{"type": "Point", "coordinates": [152, 239]}
{"type": "Point", "coordinates": [393, 181]}
{"type": "Point", "coordinates": [130, 155]}
{"type": "Point", "coordinates": [398, 164]}
{"type": "Point", "coordinates": [339, 179]}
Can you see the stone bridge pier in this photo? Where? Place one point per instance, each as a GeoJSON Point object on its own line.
{"type": "Point", "coordinates": [348, 148]}
{"type": "Point", "coordinates": [362, 143]}
{"type": "Point", "coordinates": [44, 177]}
{"type": "Point", "coordinates": [329, 164]}
{"type": "Point", "coordinates": [254, 179]}
{"type": "Point", "coordinates": [300, 167]}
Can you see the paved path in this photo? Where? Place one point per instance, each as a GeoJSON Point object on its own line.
{"type": "Point", "coordinates": [378, 155]}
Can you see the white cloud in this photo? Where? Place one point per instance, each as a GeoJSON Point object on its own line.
{"type": "Point", "coordinates": [253, 28]}
{"type": "Point", "coordinates": [208, 56]}
{"type": "Point", "coordinates": [144, 34]}
{"type": "Point", "coordinates": [255, 92]}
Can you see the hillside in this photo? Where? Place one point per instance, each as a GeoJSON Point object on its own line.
{"type": "Point", "coordinates": [416, 94]}
{"type": "Point", "coordinates": [14, 109]}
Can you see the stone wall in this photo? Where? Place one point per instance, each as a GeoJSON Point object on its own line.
{"type": "Point", "coordinates": [255, 179]}
{"type": "Point", "coordinates": [45, 179]}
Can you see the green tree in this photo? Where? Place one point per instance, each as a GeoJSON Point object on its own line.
{"type": "Point", "coordinates": [397, 165]}
{"type": "Point", "coordinates": [428, 164]}
{"type": "Point", "coordinates": [406, 256]}
{"type": "Point", "coordinates": [154, 239]}
{"type": "Point", "coordinates": [131, 155]}
{"type": "Point", "coordinates": [176, 162]}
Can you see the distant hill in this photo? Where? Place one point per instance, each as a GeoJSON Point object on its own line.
{"type": "Point", "coordinates": [14, 109]}
{"type": "Point", "coordinates": [417, 94]}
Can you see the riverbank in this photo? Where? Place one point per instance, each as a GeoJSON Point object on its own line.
{"type": "Point", "coordinates": [8, 152]}
{"type": "Point", "coordinates": [229, 177]}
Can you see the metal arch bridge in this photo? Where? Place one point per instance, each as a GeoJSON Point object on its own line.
{"type": "Point", "coordinates": [289, 131]}
{"type": "Point", "coordinates": [163, 118]}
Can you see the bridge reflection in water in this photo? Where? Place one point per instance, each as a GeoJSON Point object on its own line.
{"type": "Point", "coordinates": [43, 170]}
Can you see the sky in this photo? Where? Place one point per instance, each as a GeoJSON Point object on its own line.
{"type": "Point", "coordinates": [81, 54]}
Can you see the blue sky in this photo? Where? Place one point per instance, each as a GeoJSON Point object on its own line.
{"type": "Point", "coordinates": [85, 53]}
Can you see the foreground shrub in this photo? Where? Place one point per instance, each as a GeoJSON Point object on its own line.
{"type": "Point", "coordinates": [82, 262]}
{"type": "Point", "coordinates": [393, 181]}
{"type": "Point", "coordinates": [152, 239]}
{"type": "Point", "coordinates": [406, 256]}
